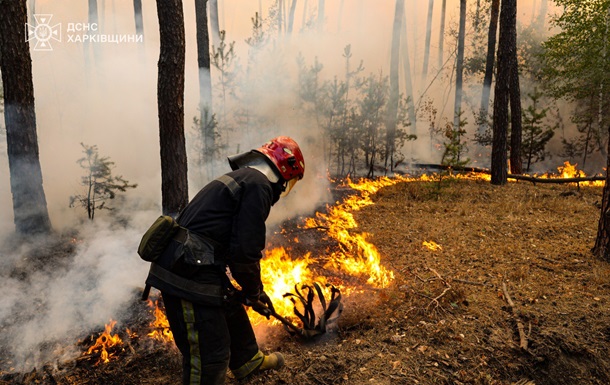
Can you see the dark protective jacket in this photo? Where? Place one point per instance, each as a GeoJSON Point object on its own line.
{"type": "Point", "coordinates": [231, 212]}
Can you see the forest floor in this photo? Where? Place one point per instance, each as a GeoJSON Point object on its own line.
{"type": "Point", "coordinates": [513, 295]}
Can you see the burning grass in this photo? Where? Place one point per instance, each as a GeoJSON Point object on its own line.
{"type": "Point", "coordinates": [427, 303]}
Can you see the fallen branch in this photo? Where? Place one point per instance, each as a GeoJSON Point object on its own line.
{"type": "Point", "coordinates": [535, 180]}
{"type": "Point", "coordinates": [522, 337]}
{"type": "Point", "coordinates": [472, 283]}
{"type": "Point", "coordinates": [527, 178]}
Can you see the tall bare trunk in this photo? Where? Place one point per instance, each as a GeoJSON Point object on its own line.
{"type": "Point", "coordinates": [516, 164]}
{"type": "Point", "coordinates": [428, 37]}
{"type": "Point", "coordinates": [280, 16]}
{"type": "Point", "coordinates": [459, 67]}
{"type": "Point", "coordinates": [137, 11]}
{"type": "Point", "coordinates": [489, 65]}
{"type": "Point", "coordinates": [499, 173]}
{"type": "Point", "coordinates": [170, 104]}
{"type": "Point", "coordinates": [293, 8]}
{"type": "Point", "coordinates": [392, 110]}
{"type": "Point", "coordinates": [214, 23]}
{"type": "Point", "coordinates": [408, 77]}
{"type": "Point", "coordinates": [441, 38]}
{"type": "Point", "coordinates": [93, 21]}
{"type": "Point", "coordinates": [602, 242]}
{"type": "Point", "coordinates": [29, 202]}
{"type": "Point", "coordinates": [205, 84]}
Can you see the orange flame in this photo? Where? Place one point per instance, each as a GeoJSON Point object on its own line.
{"type": "Point", "coordinates": [161, 331]}
{"type": "Point", "coordinates": [431, 245]}
{"type": "Point", "coordinates": [105, 341]}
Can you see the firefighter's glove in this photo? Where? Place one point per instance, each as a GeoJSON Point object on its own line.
{"type": "Point", "coordinates": [262, 305]}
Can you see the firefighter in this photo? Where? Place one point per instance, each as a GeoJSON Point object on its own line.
{"type": "Point", "coordinates": [224, 237]}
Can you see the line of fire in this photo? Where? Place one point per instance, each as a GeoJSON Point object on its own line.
{"type": "Point", "coordinates": [349, 265]}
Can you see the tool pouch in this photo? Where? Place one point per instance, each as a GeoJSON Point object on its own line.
{"type": "Point", "coordinates": [196, 250]}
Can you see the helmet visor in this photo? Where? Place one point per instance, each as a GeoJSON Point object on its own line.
{"type": "Point", "coordinates": [288, 186]}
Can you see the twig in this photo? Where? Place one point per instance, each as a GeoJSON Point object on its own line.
{"type": "Point", "coordinates": [472, 283]}
{"type": "Point", "coordinates": [302, 229]}
{"type": "Point", "coordinates": [447, 288]}
{"type": "Point", "coordinates": [522, 337]}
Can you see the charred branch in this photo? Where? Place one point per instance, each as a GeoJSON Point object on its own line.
{"type": "Point", "coordinates": [527, 178]}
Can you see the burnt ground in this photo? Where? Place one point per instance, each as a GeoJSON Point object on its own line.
{"type": "Point", "coordinates": [447, 318]}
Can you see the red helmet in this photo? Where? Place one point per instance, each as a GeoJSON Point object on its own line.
{"type": "Point", "coordinates": [286, 156]}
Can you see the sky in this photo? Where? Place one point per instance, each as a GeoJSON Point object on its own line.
{"type": "Point", "coordinates": [104, 94]}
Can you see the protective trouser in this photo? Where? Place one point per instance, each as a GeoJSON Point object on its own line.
{"type": "Point", "coordinates": [210, 338]}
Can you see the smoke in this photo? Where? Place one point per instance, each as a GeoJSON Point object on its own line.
{"type": "Point", "coordinates": [105, 95]}
{"type": "Point", "coordinates": [51, 300]}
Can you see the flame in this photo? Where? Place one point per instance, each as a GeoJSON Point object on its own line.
{"type": "Point", "coordinates": [161, 331]}
{"type": "Point", "coordinates": [282, 272]}
{"type": "Point", "coordinates": [570, 171]}
{"type": "Point", "coordinates": [431, 245]}
{"type": "Point", "coordinates": [105, 341]}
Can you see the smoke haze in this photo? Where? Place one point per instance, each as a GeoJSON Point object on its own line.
{"type": "Point", "coordinates": [105, 95]}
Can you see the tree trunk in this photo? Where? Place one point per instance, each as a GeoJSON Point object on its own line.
{"type": "Point", "coordinates": [602, 242]}
{"type": "Point", "coordinates": [137, 11]}
{"type": "Point", "coordinates": [516, 164]}
{"type": "Point", "coordinates": [205, 84]}
{"type": "Point", "coordinates": [477, 16]}
{"type": "Point", "coordinates": [407, 70]}
{"type": "Point", "coordinates": [489, 65]}
{"type": "Point", "coordinates": [214, 23]}
{"type": "Point", "coordinates": [428, 37]}
{"type": "Point", "coordinates": [394, 96]}
{"type": "Point", "coordinates": [441, 38]}
{"type": "Point", "coordinates": [500, 115]}
{"type": "Point", "coordinates": [321, 15]}
{"type": "Point", "coordinates": [293, 7]}
{"type": "Point", "coordinates": [459, 67]}
{"type": "Point", "coordinates": [29, 202]}
{"type": "Point", "coordinates": [170, 102]}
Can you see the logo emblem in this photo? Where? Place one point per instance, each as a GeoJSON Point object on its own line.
{"type": "Point", "coordinates": [43, 32]}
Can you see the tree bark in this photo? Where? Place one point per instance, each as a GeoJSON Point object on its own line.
{"type": "Point", "coordinates": [137, 12]}
{"type": "Point", "coordinates": [428, 37]}
{"type": "Point", "coordinates": [459, 67]}
{"type": "Point", "coordinates": [29, 202]}
{"type": "Point", "coordinates": [394, 96]}
{"type": "Point", "coordinates": [441, 38]}
{"type": "Point", "coordinates": [489, 65]}
{"type": "Point", "coordinates": [516, 163]}
{"type": "Point", "coordinates": [205, 83]}
{"type": "Point", "coordinates": [214, 23]}
{"type": "Point", "coordinates": [170, 102]}
{"type": "Point", "coordinates": [499, 157]}
{"type": "Point", "coordinates": [602, 242]}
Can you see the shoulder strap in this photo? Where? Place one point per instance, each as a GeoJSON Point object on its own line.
{"type": "Point", "coordinates": [230, 183]}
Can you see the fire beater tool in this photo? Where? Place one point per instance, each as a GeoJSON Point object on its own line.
{"type": "Point", "coordinates": [310, 328]}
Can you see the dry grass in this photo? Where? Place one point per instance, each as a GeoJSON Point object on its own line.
{"type": "Point", "coordinates": [446, 319]}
